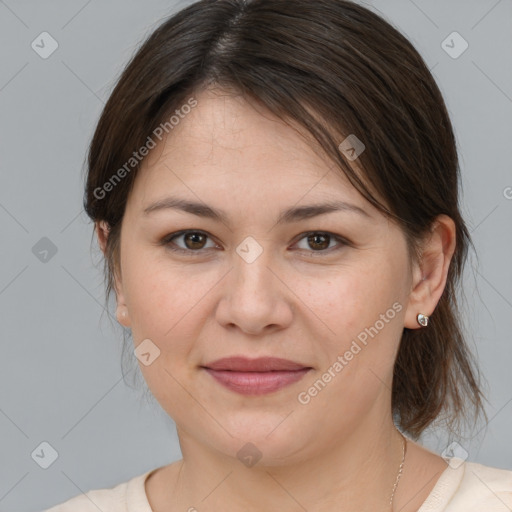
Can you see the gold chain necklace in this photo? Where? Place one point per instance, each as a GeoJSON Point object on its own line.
{"type": "Point", "coordinates": [404, 450]}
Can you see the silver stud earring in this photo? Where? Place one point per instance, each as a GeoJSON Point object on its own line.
{"type": "Point", "coordinates": [422, 320]}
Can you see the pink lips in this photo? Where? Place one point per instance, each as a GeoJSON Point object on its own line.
{"type": "Point", "coordinates": [256, 376]}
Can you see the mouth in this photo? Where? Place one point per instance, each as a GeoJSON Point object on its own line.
{"type": "Point", "coordinates": [256, 376]}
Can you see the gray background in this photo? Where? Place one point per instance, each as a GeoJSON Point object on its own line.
{"type": "Point", "coordinates": [60, 375]}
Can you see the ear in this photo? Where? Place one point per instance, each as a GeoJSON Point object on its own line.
{"type": "Point", "coordinates": [102, 231]}
{"type": "Point", "coordinates": [429, 275]}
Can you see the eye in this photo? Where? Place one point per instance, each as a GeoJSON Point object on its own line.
{"type": "Point", "coordinates": [319, 241]}
{"type": "Point", "coordinates": [194, 241]}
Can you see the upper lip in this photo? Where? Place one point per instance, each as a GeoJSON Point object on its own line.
{"type": "Point", "coordinates": [260, 364]}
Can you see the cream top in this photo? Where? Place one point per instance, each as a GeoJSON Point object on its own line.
{"type": "Point", "coordinates": [462, 487]}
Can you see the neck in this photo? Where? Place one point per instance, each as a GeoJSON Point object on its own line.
{"type": "Point", "coordinates": [357, 473]}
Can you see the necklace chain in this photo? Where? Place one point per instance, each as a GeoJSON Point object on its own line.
{"type": "Point", "coordinates": [404, 450]}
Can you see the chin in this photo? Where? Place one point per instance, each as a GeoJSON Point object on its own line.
{"type": "Point", "coordinates": [265, 440]}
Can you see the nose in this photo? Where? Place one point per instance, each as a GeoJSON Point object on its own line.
{"type": "Point", "coordinates": [255, 298]}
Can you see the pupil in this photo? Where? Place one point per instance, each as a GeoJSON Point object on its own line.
{"type": "Point", "coordinates": [193, 237]}
{"type": "Point", "coordinates": [314, 237]}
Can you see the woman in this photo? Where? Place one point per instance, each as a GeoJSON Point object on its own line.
{"type": "Point", "coordinates": [274, 185]}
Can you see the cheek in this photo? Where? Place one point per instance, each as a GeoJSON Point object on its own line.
{"type": "Point", "coordinates": [160, 295]}
{"type": "Point", "coordinates": [166, 309]}
{"type": "Point", "coordinates": [352, 300]}
{"type": "Point", "coordinates": [352, 305]}
{"type": "Point", "coordinates": [360, 353]}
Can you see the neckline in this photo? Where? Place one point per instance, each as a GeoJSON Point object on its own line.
{"type": "Point", "coordinates": [445, 487]}
{"type": "Point", "coordinates": [440, 495]}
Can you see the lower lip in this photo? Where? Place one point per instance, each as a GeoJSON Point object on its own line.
{"type": "Point", "coordinates": [256, 383]}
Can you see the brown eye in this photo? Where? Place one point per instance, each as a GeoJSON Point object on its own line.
{"type": "Point", "coordinates": [193, 242]}
{"type": "Point", "coordinates": [319, 241]}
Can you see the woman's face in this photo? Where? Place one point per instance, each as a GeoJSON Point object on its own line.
{"type": "Point", "coordinates": [257, 284]}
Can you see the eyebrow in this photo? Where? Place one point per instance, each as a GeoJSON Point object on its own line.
{"type": "Point", "coordinates": [290, 215]}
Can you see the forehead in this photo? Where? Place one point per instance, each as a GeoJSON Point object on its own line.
{"type": "Point", "coordinates": [227, 145]}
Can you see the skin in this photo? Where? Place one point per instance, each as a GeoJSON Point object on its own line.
{"type": "Point", "coordinates": [297, 300]}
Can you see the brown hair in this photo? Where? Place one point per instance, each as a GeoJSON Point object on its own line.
{"type": "Point", "coordinates": [335, 68]}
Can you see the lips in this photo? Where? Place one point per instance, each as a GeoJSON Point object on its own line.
{"type": "Point", "coordinates": [261, 364]}
{"type": "Point", "coordinates": [255, 376]}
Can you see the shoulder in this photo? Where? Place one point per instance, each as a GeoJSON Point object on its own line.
{"type": "Point", "coordinates": [482, 488]}
{"type": "Point", "coordinates": [120, 498]}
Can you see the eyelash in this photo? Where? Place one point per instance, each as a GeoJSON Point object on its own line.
{"type": "Point", "coordinates": [167, 241]}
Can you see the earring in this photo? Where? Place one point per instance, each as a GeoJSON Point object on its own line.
{"type": "Point", "coordinates": [422, 320]}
